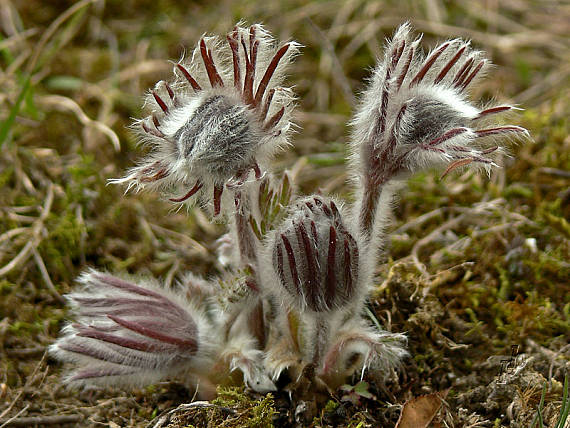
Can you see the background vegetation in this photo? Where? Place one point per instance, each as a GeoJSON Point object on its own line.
{"type": "Point", "coordinates": [475, 265]}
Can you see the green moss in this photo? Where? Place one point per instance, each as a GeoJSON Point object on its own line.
{"type": "Point", "coordinates": [251, 413]}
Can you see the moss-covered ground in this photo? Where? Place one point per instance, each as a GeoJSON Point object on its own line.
{"type": "Point", "coordinates": [475, 266]}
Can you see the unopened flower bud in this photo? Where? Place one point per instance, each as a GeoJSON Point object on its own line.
{"type": "Point", "coordinates": [130, 334]}
{"type": "Point", "coordinates": [315, 257]}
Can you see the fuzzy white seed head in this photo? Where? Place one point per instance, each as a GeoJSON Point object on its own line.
{"type": "Point", "coordinates": [416, 115]}
{"type": "Point", "coordinates": [223, 116]}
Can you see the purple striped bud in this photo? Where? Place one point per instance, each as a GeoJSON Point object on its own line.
{"type": "Point", "coordinates": [315, 257]}
{"type": "Point", "coordinates": [129, 334]}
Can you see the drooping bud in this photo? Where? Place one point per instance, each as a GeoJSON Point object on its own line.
{"type": "Point", "coordinates": [129, 334]}
{"type": "Point", "coordinates": [315, 257]}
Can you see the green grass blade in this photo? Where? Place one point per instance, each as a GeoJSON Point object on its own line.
{"type": "Point", "coordinates": [565, 405]}
{"type": "Point", "coordinates": [7, 124]}
{"type": "Point", "coordinates": [538, 417]}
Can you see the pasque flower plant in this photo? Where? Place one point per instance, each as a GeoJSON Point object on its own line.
{"type": "Point", "coordinates": [299, 269]}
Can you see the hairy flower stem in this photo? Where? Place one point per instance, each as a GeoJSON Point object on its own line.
{"type": "Point", "coordinates": [247, 242]}
{"type": "Point", "coordinates": [320, 339]}
{"type": "Point", "coordinates": [368, 207]}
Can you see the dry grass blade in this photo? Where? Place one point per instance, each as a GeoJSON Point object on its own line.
{"type": "Point", "coordinates": [65, 103]}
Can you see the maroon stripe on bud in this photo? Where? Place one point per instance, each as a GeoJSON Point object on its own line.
{"type": "Point", "coordinates": [326, 210]}
{"type": "Point", "coordinates": [155, 121]}
{"type": "Point", "coordinates": [151, 167]}
{"type": "Point", "coordinates": [347, 269]}
{"type": "Point", "coordinates": [405, 69]}
{"type": "Point", "coordinates": [428, 64]}
{"type": "Point", "coordinates": [126, 306]}
{"type": "Point", "coordinates": [310, 206]}
{"type": "Point", "coordinates": [215, 79]}
{"type": "Point", "coordinates": [121, 341]}
{"type": "Point", "coordinates": [315, 236]}
{"type": "Point", "coordinates": [160, 102]}
{"type": "Point", "coordinates": [280, 266]}
{"type": "Point", "coordinates": [267, 103]}
{"type": "Point", "coordinates": [218, 190]}
{"type": "Point", "coordinates": [158, 176]}
{"type": "Point", "coordinates": [232, 40]}
{"type": "Point", "coordinates": [384, 104]}
{"type": "Point", "coordinates": [148, 309]}
{"type": "Point", "coordinates": [313, 277]}
{"type": "Point", "coordinates": [292, 263]}
{"type": "Point", "coordinates": [188, 77]}
{"type": "Point", "coordinates": [169, 90]}
{"type": "Point", "coordinates": [101, 355]}
{"type": "Point", "coordinates": [256, 170]}
{"type": "Point", "coordinates": [115, 282]}
{"type": "Point", "coordinates": [330, 281]}
{"type": "Point", "coordinates": [397, 55]}
{"type": "Point", "coordinates": [450, 64]}
{"type": "Point", "coordinates": [493, 110]}
{"type": "Point", "coordinates": [108, 302]}
{"type": "Point", "coordinates": [269, 73]}
{"type": "Point", "coordinates": [457, 164]}
{"type": "Point", "coordinates": [101, 372]}
{"type": "Point", "coordinates": [489, 150]}
{"type": "Point", "coordinates": [463, 71]}
{"type": "Point", "coordinates": [252, 38]}
{"type": "Point", "coordinates": [150, 330]}
{"type": "Point", "coordinates": [251, 284]}
{"type": "Point", "coordinates": [250, 61]}
{"type": "Point", "coordinates": [473, 74]}
{"type": "Point", "coordinates": [500, 130]}
{"type": "Point", "coordinates": [274, 119]}
{"type": "Point", "coordinates": [389, 148]}
{"type": "Point", "coordinates": [334, 209]}
{"type": "Point", "coordinates": [190, 193]}
{"type": "Point", "coordinates": [447, 135]}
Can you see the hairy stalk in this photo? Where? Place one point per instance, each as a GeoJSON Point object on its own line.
{"type": "Point", "coordinates": [320, 339]}
{"type": "Point", "coordinates": [368, 205]}
{"type": "Point", "coordinates": [247, 241]}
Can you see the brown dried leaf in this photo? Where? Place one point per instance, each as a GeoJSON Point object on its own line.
{"type": "Point", "coordinates": [419, 412]}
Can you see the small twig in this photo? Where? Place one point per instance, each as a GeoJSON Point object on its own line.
{"type": "Point", "coordinates": [555, 171]}
{"type": "Point", "coordinates": [28, 383]}
{"type": "Point", "coordinates": [14, 40]}
{"type": "Point", "coordinates": [171, 273]}
{"type": "Point", "coordinates": [19, 259]}
{"type": "Point", "coordinates": [26, 352]}
{"type": "Point", "coordinates": [556, 354]}
{"type": "Point", "coordinates": [41, 420]}
{"type": "Point", "coordinates": [51, 31]}
{"type": "Point", "coordinates": [497, 228]}
{"type": "Point", "coordinates": [427, 239]}
{"type": "Point", "coordinates": [164, 419]}
{"type": "Point", "coordinates": [420, 220]}
{"type": "Point", "coordinates": [10, 421]}
{"type": "Point", "coordinates": [36, 228]}
{"type": "Point", "coordinates": [201, 250]}
{"type": "Point", "coordinates": [337, 67]}
{"type": "Point", "coordinates": [45, 275]}
{"type": "Point", "coordinates": [64, 103]}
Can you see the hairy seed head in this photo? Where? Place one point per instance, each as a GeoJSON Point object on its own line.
{"type": "Point", "coordinates": [223, 115]}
